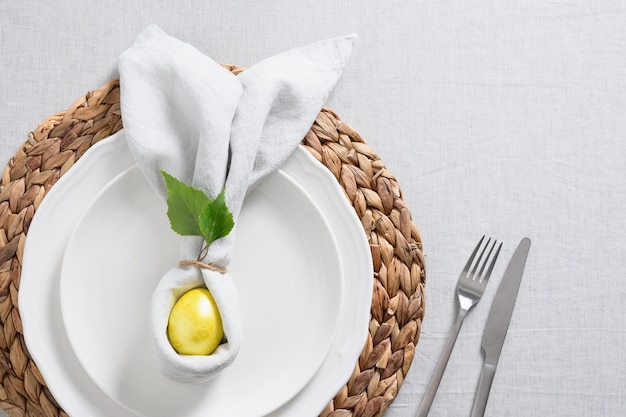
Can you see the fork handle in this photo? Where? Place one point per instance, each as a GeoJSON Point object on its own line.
{"type": "Point", "coordinates": [429, 396]}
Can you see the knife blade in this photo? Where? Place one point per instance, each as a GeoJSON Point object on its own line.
{"type": "Point", "coordinates": [498, 324]}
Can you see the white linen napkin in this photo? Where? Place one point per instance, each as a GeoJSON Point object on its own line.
{"type": "Point", "coordinates": [187, 115]}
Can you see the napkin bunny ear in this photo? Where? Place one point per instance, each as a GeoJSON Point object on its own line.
{"type": "Point", "coordinates": [173, 98]}
{"type": "Point", "coordinates": [282, 96]}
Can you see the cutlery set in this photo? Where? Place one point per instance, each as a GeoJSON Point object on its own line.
{"type": "Point", "coordinates": [470, 288]}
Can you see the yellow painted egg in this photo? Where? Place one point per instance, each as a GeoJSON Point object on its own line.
{"type": "Point", "coordinates": [195, 326]}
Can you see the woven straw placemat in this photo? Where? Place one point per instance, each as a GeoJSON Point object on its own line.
{"type": "Point", "coordinates": [399, 274]}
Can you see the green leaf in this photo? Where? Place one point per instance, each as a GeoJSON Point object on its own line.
{"type": "Point", "coordinates": [184, 205]}
{"type": "Point", "coordinates": [215, 220]}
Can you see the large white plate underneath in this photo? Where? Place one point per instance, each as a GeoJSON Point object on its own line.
{"type": "Point", "coordinates": [47, 239]}
{"type": "Point", "coordinates": [287, 271]}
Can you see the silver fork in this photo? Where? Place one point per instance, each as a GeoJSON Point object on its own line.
{"type": "Point", "coordinates": [469, 290]}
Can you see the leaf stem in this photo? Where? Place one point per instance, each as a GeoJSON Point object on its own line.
{"type": "Point", "coordinates": [204, 251]}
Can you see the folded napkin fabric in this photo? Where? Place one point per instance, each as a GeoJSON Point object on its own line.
{"type": "Point", "coordinates": [187, 115]}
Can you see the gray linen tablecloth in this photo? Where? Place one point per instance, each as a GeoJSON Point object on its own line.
{"type": "Point", "coordinates": [505, 118]}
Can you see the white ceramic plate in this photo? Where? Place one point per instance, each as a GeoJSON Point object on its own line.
{"type": "Point", "coordinates": [286, 269]}
{"type": "Point", "coordinates": [45, 246]}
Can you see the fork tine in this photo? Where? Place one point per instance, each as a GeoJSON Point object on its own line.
{"type": "Point", "coordinates": [471, 276]}
{"type": "Point", "coordinates": [493, 262]}
{"type": "Point", "coordinates": [482, 268]}
{"type": "Point", "coordinates": [471, 258]}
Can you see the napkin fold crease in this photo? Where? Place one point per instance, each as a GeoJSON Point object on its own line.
{"type": "Point", "coordinates": [187, 115]}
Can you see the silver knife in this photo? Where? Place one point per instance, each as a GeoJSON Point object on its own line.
{"type": "Point", "coordinates": [498, 324]}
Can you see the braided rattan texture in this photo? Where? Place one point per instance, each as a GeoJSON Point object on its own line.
{"type": "Point", "coordinates": [399, 277]}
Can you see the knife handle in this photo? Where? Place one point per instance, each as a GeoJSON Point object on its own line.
{"type": "Point", "coordinates": [487, 373]}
